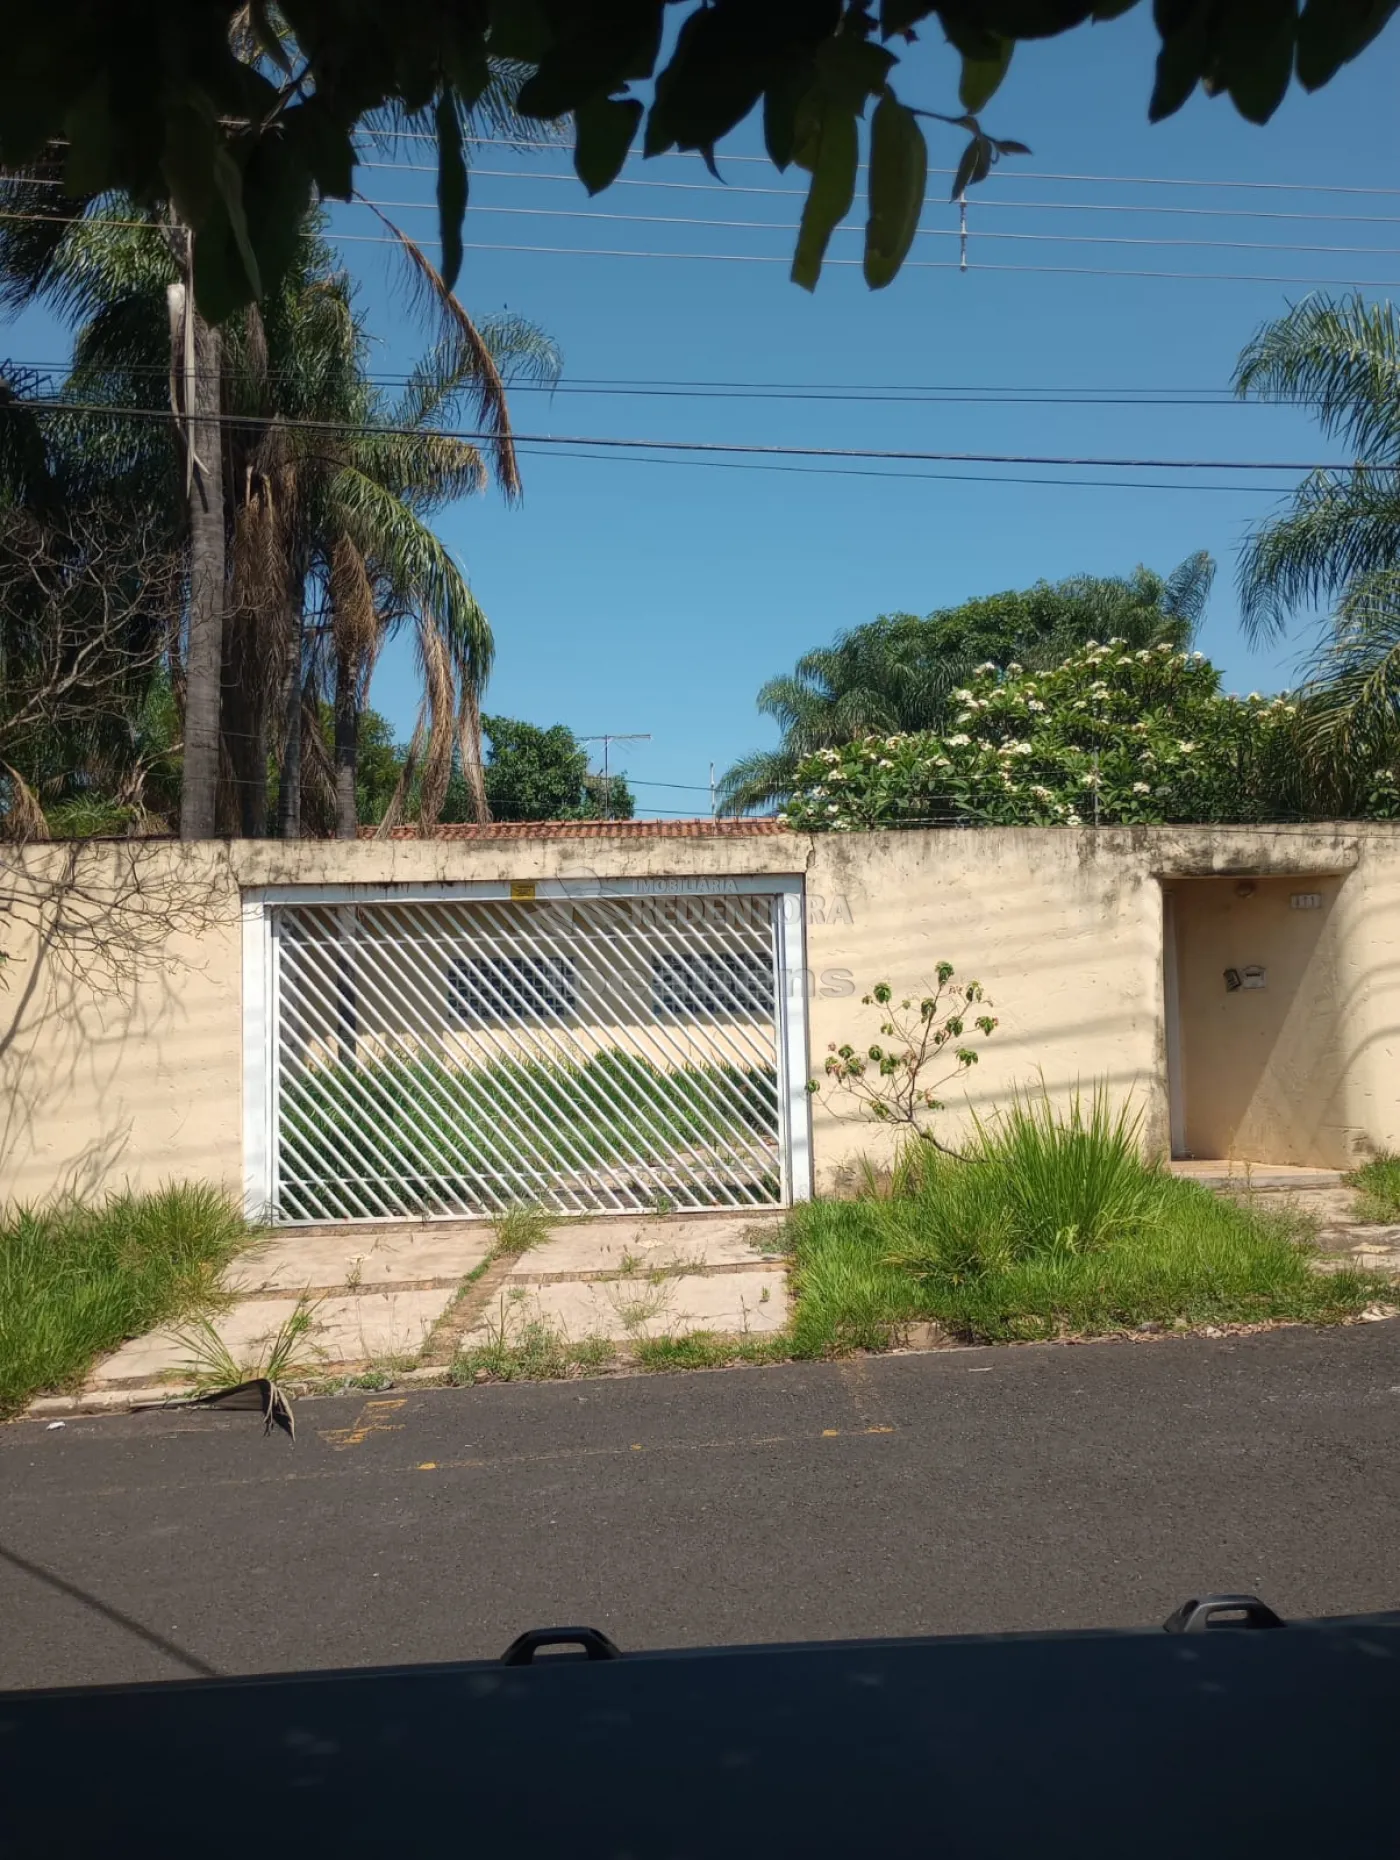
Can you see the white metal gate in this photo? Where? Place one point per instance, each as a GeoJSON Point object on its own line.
{"type": "Point", "coordinates": [450, 1055]}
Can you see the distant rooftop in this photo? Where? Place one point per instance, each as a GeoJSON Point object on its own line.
{"type": "Point", "coordinates": [593, 830]}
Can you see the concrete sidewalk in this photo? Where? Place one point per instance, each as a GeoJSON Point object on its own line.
{"type": "Point", "coordinates": [401, 1298]}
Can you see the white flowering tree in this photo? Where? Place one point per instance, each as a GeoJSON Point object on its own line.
{"type": "Point", "coordinates": [1108, 737]}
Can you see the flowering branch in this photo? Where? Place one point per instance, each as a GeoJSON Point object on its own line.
{"type": "Point", "coordinates": [892, 1082]}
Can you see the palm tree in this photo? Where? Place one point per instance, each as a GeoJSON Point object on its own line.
{"type": "Point", "coordinates": [1339, 542]}
{"type": "Point", "coordinates": [899, 672]}
{"type": "Point", "coordinates": [327, 488]}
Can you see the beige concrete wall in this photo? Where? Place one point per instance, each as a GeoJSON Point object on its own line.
{"type": "Point", "coordinates": [121, 1007]}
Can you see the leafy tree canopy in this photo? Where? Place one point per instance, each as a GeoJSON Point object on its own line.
{"type": "Point", "coordinates": [240, 112]}
{"type": "Point", "coordinates": [542, 774]}
{"type": "Point", "coordinates": [898, 673]}
{"type": "Point", "coordinates": [1110, 737]}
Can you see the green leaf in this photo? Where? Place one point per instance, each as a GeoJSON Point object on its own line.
{"type": "Point", "coordinates": [187, 159]}
{"type": "Point", "coordinates": [975, 166]}
{"type": "Point", "coordinates": [451, 186]}
{"type": "Point", "coordinates": [228, 178]}
{"type": "Point", "coordinates": [520, 31]}
{"type": "Point", "coordinates": [831, 151]}
{"type": "Point", "coordinates": [1181, 63]}
{"type": "Point", "coordinates": [900, 15]}
{"type": "Point", "coordinates": [1332, 32]}
{"type": "Point", "coordinates": [1004, 147]}
{"type": "Point", "coordinates": [604, 128]}
{"type": "Point", "coordinates": [981, 77]}
{"type": "Point", "coordinates": [1255, 55]}
{"type": "Point", "coordinates": [853, 70]}
{"type": "Point", "coordinates": [898, 176]}
{"type": "Point", "coordinates": [781, 103]}
{"type": "Point", "coordinates": [89, 126]}
{"type": "Point", "coordinates": [324, 145]}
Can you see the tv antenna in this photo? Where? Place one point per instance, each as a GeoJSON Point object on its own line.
{"type": "Point", "coordinates": [613, 736]}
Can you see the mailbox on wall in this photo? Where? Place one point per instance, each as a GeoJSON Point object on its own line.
{"type": "Point", "coordinates": [1254, 975]}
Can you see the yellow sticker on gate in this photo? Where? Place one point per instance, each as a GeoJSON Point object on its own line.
{"type": "Point", "coordinates": [522, 888]}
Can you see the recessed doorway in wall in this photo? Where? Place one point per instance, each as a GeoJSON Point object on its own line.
{"type": "Point", "coordinates": [1250, 990]}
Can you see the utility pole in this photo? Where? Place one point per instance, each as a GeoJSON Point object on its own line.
{"type": "Point", "coordinates": [713, 814]}
{"type": "Point", "coordinates": [605, 740]}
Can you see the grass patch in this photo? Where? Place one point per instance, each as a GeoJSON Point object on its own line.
{"type": "Point", "coordinates": [76, 1280]}
{"type": "Point", "coordinates": [518, 1228]}
{"type": "Point", "coordinates": [702, 1349]}
{"type": "Point", "coordinates": [530, 1351]}
{"type": "Point", "coordinates": [1377, 1185]}
{"type": "Point", "coordinates": [1054, 1226]}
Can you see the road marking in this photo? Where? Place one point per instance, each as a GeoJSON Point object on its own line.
{"type": "Point", "coordinates": [428, 1466]}
{"type": "Point", "coordinates": [366, 1422]}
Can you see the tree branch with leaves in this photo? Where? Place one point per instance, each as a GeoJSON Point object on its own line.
{"type": "Point", "coordinates": [923, 1047]}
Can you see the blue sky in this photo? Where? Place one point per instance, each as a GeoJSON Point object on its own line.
{"type": "Point", "coordinates": [644, 594]}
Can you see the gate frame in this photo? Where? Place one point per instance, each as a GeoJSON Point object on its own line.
{"type": "Point", "coordinates": [260, 1006]}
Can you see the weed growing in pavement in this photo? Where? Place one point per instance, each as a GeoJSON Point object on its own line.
{"type": "Point", "coordinates": [703, 1349]}
{"type": "Point", "coordinates": [518, 1228]}
{"type": "Point", "coordinates": [534, 1351]}
{"type": "Point", "coordinates": [288, 1353]}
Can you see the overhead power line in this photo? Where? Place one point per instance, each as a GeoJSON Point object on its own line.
{"type": "Point", "coordinates": [917, 477]}
{"type": "Point", "coordinates": [713, 446]}
{"type": "Point", "coordinates": [977, 202]}
{"type": "Point", "coordinates": [924, 232]}
{"type": "Point", "coordinates": [1018, 173]}
{"type": "Point", "coordinates": [960, 264]}
{"type": "Point", "coordinates": [742, 391]}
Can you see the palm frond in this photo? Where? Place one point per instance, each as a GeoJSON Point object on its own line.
{"type": "Point", "coordinates": [1188, 589]}
{"type": "Point", "coordinates": [435, 665]}
{"type": "Point", "coordinates": [1343, 358]}
{"type": "Point", "coordinates": [476, 364]}
{"type": "Point", "coordinates": [1354, 680]}
{"type": "Point", "coordinates": [418, 566]}
{"type": "Point", "coordinates": [757, 780]}
{"type": "Point", "coordinates": [1338, 529]}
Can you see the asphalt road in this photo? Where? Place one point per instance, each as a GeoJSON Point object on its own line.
{"type": "Point", "coordinates": [964, 1492]}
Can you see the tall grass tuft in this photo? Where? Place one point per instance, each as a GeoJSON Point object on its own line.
{"type": "Point", "coordinates": [77, 1279]}
{"type": "Point", "coordinates": [1054, 1225]}
{"type": "Point", "coordinates": [1377, 1185]}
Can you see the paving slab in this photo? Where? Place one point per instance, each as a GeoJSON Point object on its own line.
{"type": "Point", "coordinates": [639, 1307]}
{"type": "Point", "coordinates": [297, 1261]}
{"type": "Point", "coordinates": [358, 1328]}
{"type": "Point", "coordinates": [652, 1245]}
{"type": "Point", "coordinates": [1236, 1174]}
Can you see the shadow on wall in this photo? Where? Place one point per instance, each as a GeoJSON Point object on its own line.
{"type": "Point", "coordinates": [88, 976]}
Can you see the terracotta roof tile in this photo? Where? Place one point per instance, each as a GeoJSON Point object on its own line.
{"type": "Point", "coordinates": [594, 830]}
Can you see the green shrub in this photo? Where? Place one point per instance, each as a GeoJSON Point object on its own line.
{"type": "Point", "coordinates": [78, 1279]}
{"type": "Point", "coordinates": [1377, 1185]}
{"type": "Point", "coordinates": [1035, 1181]}
{"type": "Point", "coordinates": [1054, 1226]}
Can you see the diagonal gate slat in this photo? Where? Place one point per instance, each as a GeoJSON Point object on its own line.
{"type": "Point", "coordinates": [460, 1056]}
